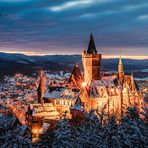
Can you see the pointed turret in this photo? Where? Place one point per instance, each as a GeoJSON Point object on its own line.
{"type": "Point", "coordinates": [41, 87]}
{"type": "Point", "coordinates": [132, 82]}
{"type": "Point", "coordinates": [76, 77]}
{"type": "Point", "coordinates": [120, 70]}
{"type": "Point", "coordinates": [77, 109]}
{"type": "Point", "coordinates": [134, 85]}
{"type": "Point", "coordinates": [91, 46]}
{"type": "Point", "coordinates": [78, 105]}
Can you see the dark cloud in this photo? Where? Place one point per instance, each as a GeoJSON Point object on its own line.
{"type": "Point", "coordinates": [64, 26]}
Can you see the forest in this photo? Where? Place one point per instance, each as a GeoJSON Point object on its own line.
{"type": "Point", "coordinates": [130, 131]}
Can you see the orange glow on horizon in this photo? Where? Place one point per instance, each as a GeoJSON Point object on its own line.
{"type": "Point", "coordinates": [25, 53]}
{"type": "Point", "coordinates": [44, 54]}
{"type": "Point", "coordinates": [124, 57]}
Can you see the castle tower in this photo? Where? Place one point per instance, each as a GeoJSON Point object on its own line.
{"type": "Point", "coordinates": [120, 70]}
{"type": "Point", "coordinates": [41, 88]}
{"type": "Point", "coordinates": [91, 62]}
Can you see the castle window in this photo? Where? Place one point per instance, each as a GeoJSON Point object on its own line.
{"type": "Point", "coordinates": [58, 110]}
{"type": "Point", "coordinates": [57, 102]}
{"type": "Point", "coordinates": [95, 62]}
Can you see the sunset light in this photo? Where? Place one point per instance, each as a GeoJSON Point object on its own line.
{"type": "Point", "coordinates": [73, 74]}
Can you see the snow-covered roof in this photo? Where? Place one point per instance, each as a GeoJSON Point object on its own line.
{"type": "Point", "coordinates": [61, 93]}
{"type": "Point", "coordinates": [109, 78]}
{"type": "Point", "coordinates": [98, 88]}
{"type": "Point", "coordinates": [102, 82]}
{"type": "Point", "coordinates": [44, 110]}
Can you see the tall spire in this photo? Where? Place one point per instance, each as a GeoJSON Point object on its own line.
{"type": "Point", "coordinates": [41, 87]}
{"type": "Point", "coordinates": [120, 70]}
{"type": "Point", "coordinates": [120, 61]}
{"type": "Point", "coordinates": [91, 46]}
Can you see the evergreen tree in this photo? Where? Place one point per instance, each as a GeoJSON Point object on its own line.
{"type": "Point", "coordinates": [110, 135]}
{"type": "Point", "coordinates": [63, 135]}
{"type": "Point", "coordinates": [89, 133]}
{"type": "Point", "coordinates": [13, 134]}
{"type": "Point", "coordinates": [133, 132]}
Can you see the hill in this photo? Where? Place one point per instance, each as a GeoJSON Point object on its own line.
{"type": "Point", "coordinates": [13, 63]}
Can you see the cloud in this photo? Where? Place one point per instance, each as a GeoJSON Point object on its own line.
{"type": "Point", "coordinates": [76, 4]}
{"type": "Point", "coordinates": [143, 17]}
{"type": "Point", "coordinates": [53, 26]}
{"type": "Point", "coordinates": [70, 4]}
{"type": "Point", "coordinates": [133, 6]}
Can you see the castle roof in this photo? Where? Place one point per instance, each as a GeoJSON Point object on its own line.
{"type": "Point", "coordinates": [61, 93]}
{"type": "Point", "coordinates": [104, 87]}
{"type": "Point", "coordinates": [76, 77]}
{"type": "Point", "coordinates": [78, 105]}
{"type": "Point", "coordinates": [44, 110]}
{"type": "Point", "coordinates": [91, 46]}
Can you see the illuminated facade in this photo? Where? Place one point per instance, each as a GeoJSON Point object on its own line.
{"type": "Point", "coordinates": [110, 94]}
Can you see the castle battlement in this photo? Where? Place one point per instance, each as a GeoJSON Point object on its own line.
{"type": "Point", "coordinates": [87, 55]}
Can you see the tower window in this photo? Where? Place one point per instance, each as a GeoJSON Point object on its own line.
{"type": "Point", "coordinates": [95, 63]}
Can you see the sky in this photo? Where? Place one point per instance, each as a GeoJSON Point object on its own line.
{"type": "Point", "coordinates": [40, 27]}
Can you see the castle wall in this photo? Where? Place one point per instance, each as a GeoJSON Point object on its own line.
{"type": "Point", "coordinates": [112, 104]}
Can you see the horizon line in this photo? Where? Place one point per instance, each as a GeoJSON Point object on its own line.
{"type": "Point", "coordinates": [103, 55]}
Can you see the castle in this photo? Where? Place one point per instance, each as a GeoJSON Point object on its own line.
{"type": "Point", "coordinates": [111, 94]}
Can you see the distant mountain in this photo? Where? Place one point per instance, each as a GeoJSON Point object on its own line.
{"type": "Point", "coordinates": [13, 63]}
